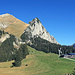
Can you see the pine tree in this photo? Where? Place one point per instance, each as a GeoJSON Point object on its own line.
{"type": "Point", "coordinates": [24, 50]}
{"type": "Point", "coordinates": [18, 58]}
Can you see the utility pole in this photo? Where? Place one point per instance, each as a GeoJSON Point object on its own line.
{"type": "Point", "coordinates": [59, 51]}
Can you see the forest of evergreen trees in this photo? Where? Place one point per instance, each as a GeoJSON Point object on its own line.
{"type": "Point", "coordinates": [8, 52]}
{"type": "Point", "coordinates": [47, 47]}
{"type": "Point", "coordinates": [6, 49]}
{"type": "Point", "coordinates": [20, 54]}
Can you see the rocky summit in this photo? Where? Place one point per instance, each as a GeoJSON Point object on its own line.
{"type": "Point", "coordinates": [36, 29]}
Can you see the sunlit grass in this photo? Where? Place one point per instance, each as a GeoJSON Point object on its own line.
{"type": "Point", "coordinates": [39, 63]}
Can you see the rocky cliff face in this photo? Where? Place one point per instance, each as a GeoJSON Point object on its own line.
{"type": "Point", "coordinates": [36, 29]}
{"type": "Point", "coordinates": [4, 23]}
{"type": "Point", "coordinates": [3, 38]}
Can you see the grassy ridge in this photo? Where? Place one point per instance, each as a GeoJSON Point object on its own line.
{"type": "Point", "coordinates": [39, 63]}
{"type": "Point", "coordinates": [15, 26]}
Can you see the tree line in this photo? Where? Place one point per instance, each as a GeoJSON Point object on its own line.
{"type": "Point", "coordinates": [47, 47]}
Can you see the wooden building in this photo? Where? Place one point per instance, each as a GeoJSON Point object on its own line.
{"type": "Point", "coordinates": [70, 55]}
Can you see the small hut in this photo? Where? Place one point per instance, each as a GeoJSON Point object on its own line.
{"type": "Point", "coordinates": [70, 55]}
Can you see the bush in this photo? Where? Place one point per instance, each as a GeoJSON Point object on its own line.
{"type": "Point", "coordinates": [73, 72]}
{"type": "Point", "coordinates": [17, 63]}
{"type": "Point", "coordinates": [26, 65]}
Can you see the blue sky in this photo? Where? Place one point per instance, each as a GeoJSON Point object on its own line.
{"type": "Point", "coordinates": [57, 16]}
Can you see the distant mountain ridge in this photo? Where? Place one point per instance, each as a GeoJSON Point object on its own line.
{"type": "Point", "coordinates": [36, 29]}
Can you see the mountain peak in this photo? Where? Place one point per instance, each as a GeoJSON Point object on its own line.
{"type": "Point", "coordinates": [37, 29]}
{"type": "Point", "coordinates": [35, 20]}
{"type": "Point", "coordinates": [4, 15]}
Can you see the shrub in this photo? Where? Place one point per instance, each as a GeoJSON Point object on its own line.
{"type": "Point", "coordinates": [17, 63]}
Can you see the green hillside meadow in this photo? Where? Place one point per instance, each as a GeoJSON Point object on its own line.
{"type": "Point", "coordinates": [39, 63]}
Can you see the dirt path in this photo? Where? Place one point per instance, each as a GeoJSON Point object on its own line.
{"type": "Point", "coordinates": [70, 59]}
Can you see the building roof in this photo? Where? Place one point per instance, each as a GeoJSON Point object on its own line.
{"type": "Point", "coordinates": [71, 54]}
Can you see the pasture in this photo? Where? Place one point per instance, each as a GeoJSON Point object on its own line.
{"type": "Point", "coordinates": [39, 63]}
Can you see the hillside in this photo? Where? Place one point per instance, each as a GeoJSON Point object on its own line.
{"type": "Point", "coordinates": [39, 63]}
{"type": "Point", "coordinates": [12, 25]}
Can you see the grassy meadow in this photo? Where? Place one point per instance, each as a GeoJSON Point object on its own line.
{"type": "Point", "coordinates": [39, 63]}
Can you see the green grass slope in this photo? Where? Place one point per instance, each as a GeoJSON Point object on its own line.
{"type": "Point", "coordinates": [39, 63]}
{"type": "Point", "coordinates": [48, 64]}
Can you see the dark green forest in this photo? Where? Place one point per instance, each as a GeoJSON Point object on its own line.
{"type": "Point", "coordinates": [6, 49]}
{"type": "Point", "coordinates": [8, 52]}
{"type": "Point", "coordinates": [19, 55]}
{"type": "Point", "coordinates": [46, 46]}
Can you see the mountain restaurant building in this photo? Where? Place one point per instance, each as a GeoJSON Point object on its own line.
{"type": "Point", "coordinates": [70, 55]}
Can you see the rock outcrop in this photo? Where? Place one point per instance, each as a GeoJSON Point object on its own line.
{"type": "Point", "coordinates": [36, 29]}
{"type": "Point", "coordinates": [4, 15]}
{"type": "Point", "coordinates": [3, 38]}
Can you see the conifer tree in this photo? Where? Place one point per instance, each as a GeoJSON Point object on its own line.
{"type": "Point", "coordinates": [18, 58]}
